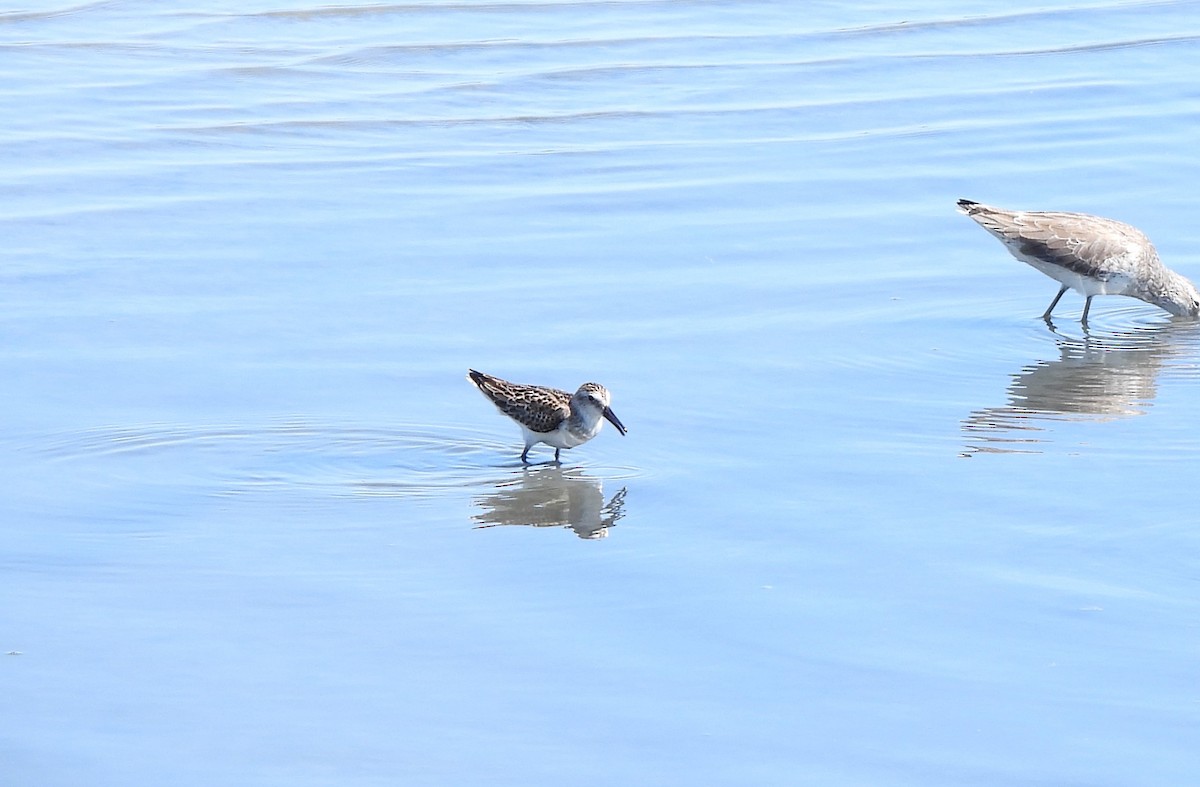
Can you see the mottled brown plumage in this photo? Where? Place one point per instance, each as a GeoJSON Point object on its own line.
{"type": "Point", "coordinates": [1090, 254]}
{"type": "Point", "coordinates": [548, 415]}
{"type": "Point", "coordinates": [535, 407]}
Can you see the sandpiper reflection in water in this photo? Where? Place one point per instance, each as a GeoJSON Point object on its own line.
{"type": "Point", "coordinates": [551, 496]}
{"type": "Point", "coordinates": [1094, 379]}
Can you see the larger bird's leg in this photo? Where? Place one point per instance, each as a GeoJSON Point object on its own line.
{"type": "Point", "coordinates": [525, 455]}
{"type": "Point", "coordinates": [556, 450]}
{"type": "Point", "coordinates": [1054, 302]}
{"type": "Point", "coordinates": [1086, 305]}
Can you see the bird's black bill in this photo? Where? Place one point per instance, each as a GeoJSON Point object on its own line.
{"type": "Point", "coordinates": [612, 419]}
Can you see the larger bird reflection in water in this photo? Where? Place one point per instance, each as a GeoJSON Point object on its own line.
{"type": "Point", "coordinates": [552, 496]}
{"type": "Point", "coordinates": [1095, 378]}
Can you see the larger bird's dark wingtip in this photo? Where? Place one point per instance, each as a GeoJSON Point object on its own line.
{"type": "Point", "coordinates": [965, 205]}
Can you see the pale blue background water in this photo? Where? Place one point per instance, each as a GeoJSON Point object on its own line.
{"type": "Point", "coordinates": [873, 523]}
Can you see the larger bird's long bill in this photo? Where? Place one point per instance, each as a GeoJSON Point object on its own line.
{"type": "Point", "coordinates": [612, 419]}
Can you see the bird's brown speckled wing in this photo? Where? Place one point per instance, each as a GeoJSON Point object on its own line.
{"type": "Point", "coordinates": [537, 408]}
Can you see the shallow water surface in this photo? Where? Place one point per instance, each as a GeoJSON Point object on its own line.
{"type": "Point", "coordinates": [874, 521]}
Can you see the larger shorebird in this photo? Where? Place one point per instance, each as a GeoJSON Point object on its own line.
{"type": "Point", "coordinates": [548, 415]}
{"type": "Point", "coordinates": [1088, 254]}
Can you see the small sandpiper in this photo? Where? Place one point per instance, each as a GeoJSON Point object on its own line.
{"type": "Point", "coordinates": [1088, 254]}
{"type": "Point", "coordinates": [548, 415]}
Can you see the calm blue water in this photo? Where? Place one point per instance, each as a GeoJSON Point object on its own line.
{"type": "Point", "coordinates": [874, 523]}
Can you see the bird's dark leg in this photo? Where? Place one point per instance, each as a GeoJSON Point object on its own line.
{"type": "Point", "coordinates": [556, 450]}
{"type": "Point", "coordinates": [525, 455]}
{"type": "Point", "coordinates": [1054, 303]}
{"type": "Point", "coordinates": [1086, 305]}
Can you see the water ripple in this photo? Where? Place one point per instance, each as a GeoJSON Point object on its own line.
{"type": "Point", "coordinates": [335, 461]}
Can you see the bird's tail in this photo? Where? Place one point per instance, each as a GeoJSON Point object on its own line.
{"type": "Point", "coordinates": [492, 387]}
{"type": "Point", "coordinates": [482, 381]}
